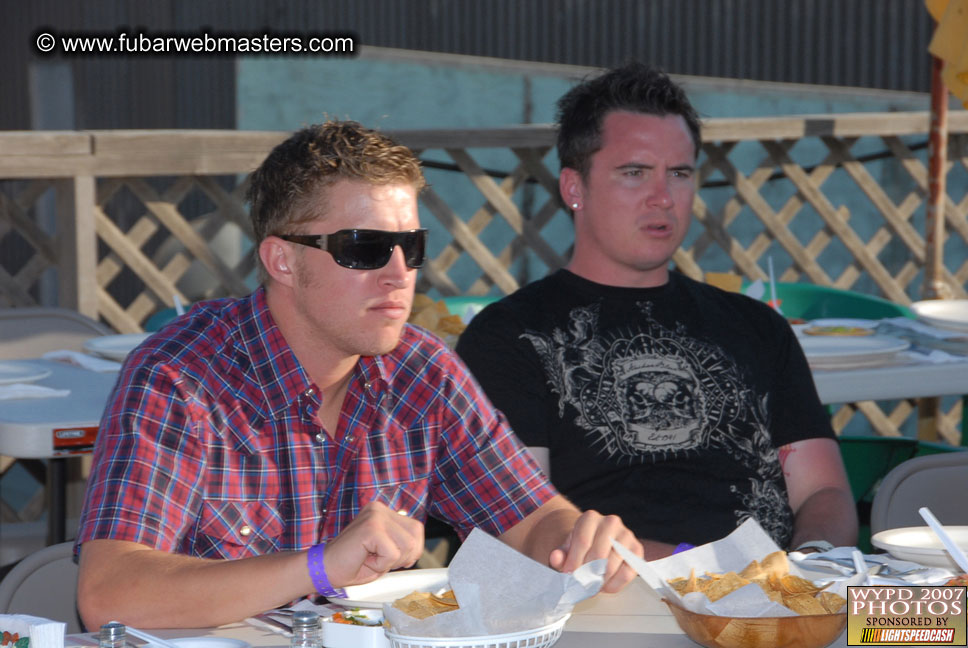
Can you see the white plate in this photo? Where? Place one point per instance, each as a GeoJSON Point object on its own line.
{"type": "Point", "coordinates": [115, 347]}
{"type": "Point", "coordinates": [206, 642]}
{"type": "Point", "coordinates": [21, 372]}
{"type": "Point", "coordinates": [844, 321]}
{"type": "Point", "coordinates": [921, 545]}
{"type": "Point", "coordinates": [949, 314]}
{"type": "Point", "coordinates": [829, 352]}
{"type": "Point", "coordinates": [389, 588]}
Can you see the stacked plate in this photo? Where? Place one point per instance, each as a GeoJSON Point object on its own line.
{"type": "Point", "coordinates": [837, 352]}
{"type": "Point", "coordinates": [951, 314]}
{"type": "Point", "coordinates": [115, 347]}
{"type": "Point", "coordinates": [921, 545]}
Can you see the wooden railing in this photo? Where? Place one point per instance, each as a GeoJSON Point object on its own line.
{"type": "Point", "coordinates": [129, 219]}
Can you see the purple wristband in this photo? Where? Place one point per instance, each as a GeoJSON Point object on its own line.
{"type": "Point", "coordinates": [317, 572]}
{"type": "Point", "coordinates": [683, 546]}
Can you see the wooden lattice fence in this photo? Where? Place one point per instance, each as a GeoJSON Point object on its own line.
{"type": "Point", "coordinates": [116, 223]}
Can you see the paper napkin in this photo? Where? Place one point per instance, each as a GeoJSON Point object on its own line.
{"type": "Point", "coordinates": [26, 390]}
{"type": "Point", "coordinates": [748, 542]}
{"type": "Point", "coordinates": [43, 633]}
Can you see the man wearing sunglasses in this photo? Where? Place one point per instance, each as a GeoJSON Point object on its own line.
{"type": "Point", "coordinates": [258, 450]}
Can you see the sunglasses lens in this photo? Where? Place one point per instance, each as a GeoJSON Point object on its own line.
{"type": "Point", "coordinates": [414, 244]}
{"type": "Point", "coordinates": [363, 249]}
{"type": "Point", "coordinates": [371, 249]}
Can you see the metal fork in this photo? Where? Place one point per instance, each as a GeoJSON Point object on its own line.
{"type": "Point", "coordinates": [269, 619]}
{"type": "Point", "coordinates": [887, 570]}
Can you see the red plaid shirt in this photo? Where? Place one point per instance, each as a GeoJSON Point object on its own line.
{"type": "Point", "coordinates": [209, 446]}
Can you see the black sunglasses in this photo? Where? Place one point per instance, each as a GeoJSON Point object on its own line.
{"type": "Point", "coordinates": [365, 249]}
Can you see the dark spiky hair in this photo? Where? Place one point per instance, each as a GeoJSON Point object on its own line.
{"type": "Point", "coordinates": [634, 87]}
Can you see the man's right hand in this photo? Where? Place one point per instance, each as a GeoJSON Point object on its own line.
{"type": "Point", "coordinates": [378, 540]}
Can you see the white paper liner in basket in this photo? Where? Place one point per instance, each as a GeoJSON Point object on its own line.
{"type": "Point", "coordinates": [747, 542]}
{"type": "Point", "coordinates": [542, 637]}
{"type": "Point", "coordinates": [500, 591]}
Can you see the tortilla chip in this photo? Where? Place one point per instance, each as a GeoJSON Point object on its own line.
{"type": "Point", "coordinates": [427, 318]}
{"type": "Point", "coordinates": [804, 604]}
{"type": "Point", "coordinates": [776, 563]}
{"type": "Point", "coordinates": [773, 595]}
{"type": "Point", "coordinates": [791, 584]}
{"type": "Point", "coordinates": [421, 301]}
{"type": "Point", "coordinates": [421, 605]}
{"type": "Point", "coordinates": [679, 584]}
{"type": "Point", "coordinates": [831, 602]}
{"type": "Point", "coordinates": [729, 583]}
{"type": "Point", "coordinates": [447, 598]}
{"type": "Point", "coordinates": [685, 585]}
{"type": "Point", "coordinates": [753, 571]}
{"type": "Point", "coordinates": [451, 324]}
{"type": "Point", "coordinates": [435, 317]}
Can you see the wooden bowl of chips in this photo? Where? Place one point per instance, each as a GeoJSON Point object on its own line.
{"type": "Point", "coordinates": [820, 615]}
{"type": "Point", "coordinates": [809, 631]}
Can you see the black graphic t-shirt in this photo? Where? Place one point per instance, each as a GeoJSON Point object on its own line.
{"type": "Point", "coordinates": [663, 405]}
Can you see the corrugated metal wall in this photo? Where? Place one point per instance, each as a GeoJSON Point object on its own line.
{"type": "Point", "coordinates": [868, 43]}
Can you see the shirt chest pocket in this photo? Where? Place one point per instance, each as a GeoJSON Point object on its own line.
{"type": "Point", "coordinates": [237, 529]}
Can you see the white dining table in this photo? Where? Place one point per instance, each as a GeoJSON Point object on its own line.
{"type": "Point", "coordinates": [892, 381]}
{"type": "Point", "coordinates": [634, 618]}
{"type": "Point", "coordinates": [56, 428]}
{"type": "Point", "coordinates": [934, 364]}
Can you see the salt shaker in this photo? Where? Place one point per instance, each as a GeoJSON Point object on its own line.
{"type": "Point", "coordinates": [305, 630]}
{"type": "Point", "coordinates": [113, 635]}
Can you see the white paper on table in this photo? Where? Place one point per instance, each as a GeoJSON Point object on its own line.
{"type": "Point", "coordinates": [82, 360]}
{"type": "Point", "coordinates": [27, 390]}
{"type": "Point", "coordinates": [815, 562]}
{"type": "Point", "coordinates": [43, 633]}
{"type": "Point", "coordinates": [748, 542]}
{"type": "Point", "coordinates": [922, 328]}
{"type": "Point", "coordinates": [500, 590]}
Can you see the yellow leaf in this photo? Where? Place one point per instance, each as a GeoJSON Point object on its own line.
{"type": "Point", "coordinates": [951, 34]}
{"type": "Point", "coordinates": [936, 8]}
{"type": "Point", "coordinates": [957, 83]}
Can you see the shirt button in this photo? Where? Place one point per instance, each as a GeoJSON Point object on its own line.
{"type": "Point", "coordinates": [320, 437]}
{"type": "Point", "coordinates": [245, 531]}
{"type": "Point", "coordinates": [309, 392]}
{"type": "Point", "coordinates": [367, 385]}
{"type": "Point", "coordinates": [325, 511]}
{"type": "Point", "coordinates": [349, 439]}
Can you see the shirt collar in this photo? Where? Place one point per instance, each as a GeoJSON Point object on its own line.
{"type": "Point", "coordinates": [280, 374]}
{"type": "Point", "coordinates": [274, 364]}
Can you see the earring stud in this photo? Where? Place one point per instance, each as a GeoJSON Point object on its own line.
{"type": "Point", "coordinates": [574, 205]}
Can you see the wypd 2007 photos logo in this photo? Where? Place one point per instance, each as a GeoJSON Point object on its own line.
{"type": "Point", "coordinates": [914, 615]}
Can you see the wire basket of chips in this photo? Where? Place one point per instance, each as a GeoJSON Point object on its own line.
{"type": "Point", "coordinates": [538, 638]}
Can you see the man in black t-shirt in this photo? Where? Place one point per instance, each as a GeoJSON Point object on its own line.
{"type": "Point", "coordinates": [680, 407]}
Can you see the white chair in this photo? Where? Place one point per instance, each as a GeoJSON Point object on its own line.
{"type": "Point", "coordinates": [44, 584]}
{"type": "Point", "coordinates": [30, 331]}
{"type": "Point", "coordinates": [938, 481]}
